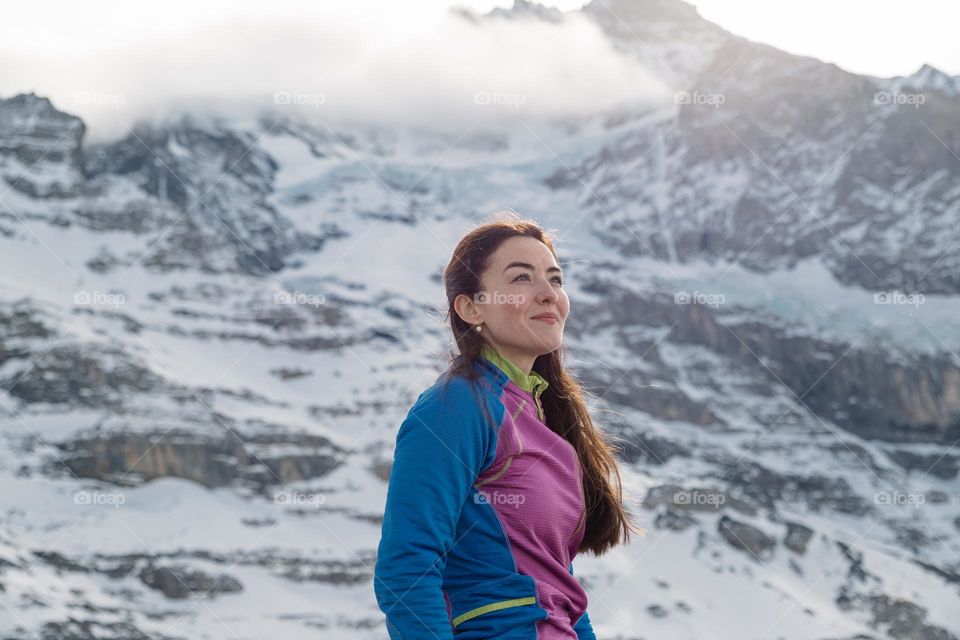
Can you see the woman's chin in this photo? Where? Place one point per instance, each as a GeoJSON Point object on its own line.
{"type": "Point", "coordinates": [550, 343]}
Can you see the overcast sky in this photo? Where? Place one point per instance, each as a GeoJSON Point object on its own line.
{"type": "Point", "coordinates": [145, 56]}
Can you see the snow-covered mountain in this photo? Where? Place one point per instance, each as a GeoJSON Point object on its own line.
{"type": "Point", "coordinates": [211, 328]}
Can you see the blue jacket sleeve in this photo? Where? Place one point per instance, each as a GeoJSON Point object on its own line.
{"type": "Point", "coordinates": [442, 446]}
{"type": "Point", "coordinates": [583, 627]}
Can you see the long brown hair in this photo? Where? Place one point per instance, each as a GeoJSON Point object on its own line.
{"type": "Point", "coordinates": [608, 523]}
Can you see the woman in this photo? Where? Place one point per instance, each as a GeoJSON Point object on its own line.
{"type": "Point", "coordinates": [499, 475]}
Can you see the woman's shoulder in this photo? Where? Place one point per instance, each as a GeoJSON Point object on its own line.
{"type": "Point", "coordinates": [449, 416]}
{"type": "Point", "coordinates": [456, 394]}
{"type": "Point", "coordinates": [452, 390]}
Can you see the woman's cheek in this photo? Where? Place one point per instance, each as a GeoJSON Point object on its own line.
{"type": "Point", "coordinates": [519, 303]}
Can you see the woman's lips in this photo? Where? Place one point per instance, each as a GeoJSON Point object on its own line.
{"type": "Point", "coordinates": [548, 319]}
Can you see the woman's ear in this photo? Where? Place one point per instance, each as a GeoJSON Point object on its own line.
{"type": "Point", "coordinates": [467, 309]}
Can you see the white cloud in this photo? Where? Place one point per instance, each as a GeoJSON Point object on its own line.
{"type": "Point", "coordinates": [363, 59]}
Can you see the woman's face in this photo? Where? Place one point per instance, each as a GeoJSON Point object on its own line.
{"type": "Point", "coordinates": [523, 281]}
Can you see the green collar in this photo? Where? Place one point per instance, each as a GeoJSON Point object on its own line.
{"type": "Point", "coordinates": [532, 382]}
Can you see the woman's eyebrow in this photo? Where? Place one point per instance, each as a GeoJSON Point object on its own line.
{"type": "Point", "coordinates": [527, 265]}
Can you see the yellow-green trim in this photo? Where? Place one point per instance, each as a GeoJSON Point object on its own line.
{"type": "Point", "coordinates": [499, 474]}
{"type": "Point", "coordinates": [493, 606]}
{"type": "Point", "coordinates": [532, 382]}
{"type": "Point", "coordinates": [526, 381]}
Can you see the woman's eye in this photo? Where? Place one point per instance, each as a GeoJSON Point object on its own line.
{"type": "Point", "coordinates": [556, 279]}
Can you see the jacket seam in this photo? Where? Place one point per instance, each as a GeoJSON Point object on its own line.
{"type": "Point", "coordinates": [583, 498]}
{"type": "Point", "coordinates": [506, 537]}
{"type": "Point", "coordinates": [497, 475]}
{"type": "Point", "coordinates": [523, 403]}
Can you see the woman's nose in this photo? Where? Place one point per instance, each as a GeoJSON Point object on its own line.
{"type": "Point", "coordinates": [547, 293]}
